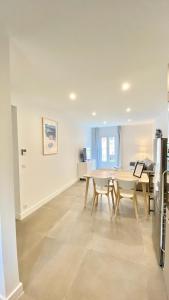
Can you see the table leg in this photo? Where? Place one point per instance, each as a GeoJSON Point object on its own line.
{"type": "Point", "coordinates": [145, 198]}
{"type": "Point", "coordinates": [86, 192]}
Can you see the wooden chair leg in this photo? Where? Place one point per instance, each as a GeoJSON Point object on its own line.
{"type": "Point", "coordinates": [96, 201]}
{"type": "Point", "coordinates": [93, 204]}
{"type": "Point", "coordinates": [109, 205]}
{"type": "Point", "coordinates": [135, 206]}
{"type": "Point", "coordinates": [112, 196]}
{"type": "Point", "coordinates": [115, 195]}
{"type": "Point", "coordinates": [117, 205]}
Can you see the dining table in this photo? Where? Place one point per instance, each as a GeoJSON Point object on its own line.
{"type": "Point", "coordinates": [115, 175]}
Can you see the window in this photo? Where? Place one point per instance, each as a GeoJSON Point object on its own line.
{"type": "Point", "coordinates": [104, 148]}
{"type": "Point", "coordinates": [111, 148]}
{"type": "Point", "coordinates": [108, 149]}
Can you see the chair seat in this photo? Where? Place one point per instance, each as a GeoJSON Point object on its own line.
{"type": "Point", "coordinates": [101, 191]}
{"type": "Point", "coordinates": [111, 185]}
{"type": "Point", "coordinates": [104, 190]}
{"type": "Point", "coordinates": [127, 194]}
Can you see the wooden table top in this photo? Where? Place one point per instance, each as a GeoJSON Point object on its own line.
{"type": "Point", "coordinates": [117, 174]}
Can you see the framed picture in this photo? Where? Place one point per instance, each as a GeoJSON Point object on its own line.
{"type": "Point", "coordinates": [50, 136]}
{"type": "Point", "coordinates": [138, 169]}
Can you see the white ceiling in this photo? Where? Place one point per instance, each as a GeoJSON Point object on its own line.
{"type": "Point", "coordinates": [90, 47]}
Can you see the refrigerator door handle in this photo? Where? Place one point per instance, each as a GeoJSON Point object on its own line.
{"type": "Point", "coordinates": [162, 211]}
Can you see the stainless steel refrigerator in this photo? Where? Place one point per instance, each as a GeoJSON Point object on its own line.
{"type": "Point", "coordinates": [160, 198]}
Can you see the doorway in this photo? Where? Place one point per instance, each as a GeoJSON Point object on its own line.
{"type": "Point", "coordinates": [106, 147]}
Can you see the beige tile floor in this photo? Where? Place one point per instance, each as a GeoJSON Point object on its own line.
{"type": "Point", "coordinates": [65, 254]}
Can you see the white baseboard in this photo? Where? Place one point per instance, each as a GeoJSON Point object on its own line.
{"type": "Point", "coordinates": [30, 210]}
{"type": "Point", "coordinates": [16, 293]}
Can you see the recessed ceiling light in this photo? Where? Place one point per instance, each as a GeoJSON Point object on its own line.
{"type": "Point", "coordinates": [93, 113]}
{"type": "Point", "coordinates": [105, 122]}
{"type": "Point", "coordinates": [125, 86]}
{"type": "Point", "coordinates": [129, 120]}
{"type": "Point", "coordinates": [72, 96]}
{"type": "Point", "coordinates": [128, 109]}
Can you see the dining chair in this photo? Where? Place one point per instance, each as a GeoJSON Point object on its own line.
{"type": "Point", "coordinates": [126, 189]}
{"type": "Point", "coordinates": [103, 186]}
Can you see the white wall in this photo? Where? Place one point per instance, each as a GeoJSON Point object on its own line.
{"type": "Point", "coordinates": [136, 143]}
{"type": "Point", "coordinates": [161, 122]}
{"type": "Point", "coordinates": [9, 278]}
{"type": "Point", "coordinates": [15, 158]}
{"type": "Point", "coordinates": [43, 177]}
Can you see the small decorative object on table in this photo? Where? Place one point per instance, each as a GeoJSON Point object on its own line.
{"type": "Point", "coordinates": [158, 133]}
{"type": "Point", "coordinates": [138, 169]}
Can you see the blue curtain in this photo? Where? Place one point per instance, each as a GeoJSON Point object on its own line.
{"type": "Point", "coordinates": [97, 134]}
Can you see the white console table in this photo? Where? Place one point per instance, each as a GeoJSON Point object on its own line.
{"type": "Point", "coordinates": [86, 167]}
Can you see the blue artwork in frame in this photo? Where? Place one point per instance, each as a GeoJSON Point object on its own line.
{"type": "Point", "coordinates": [50, 136]}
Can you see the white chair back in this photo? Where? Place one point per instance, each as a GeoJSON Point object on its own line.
{"type": "Point", "coordinates": [101, 183]}
{"type": "Point", "coordinates": [127, 184]}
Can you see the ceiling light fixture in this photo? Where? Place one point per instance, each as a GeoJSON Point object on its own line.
{"type": "Point", "coordinates": [72, 96]}
{"type": "Point", "coordinates": [128, 109]}
{"type": "Point", "coordinates": [93, 113]}
{"type": "Point", "coordinates": [125, 86]}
